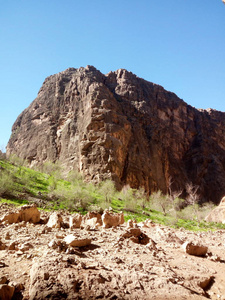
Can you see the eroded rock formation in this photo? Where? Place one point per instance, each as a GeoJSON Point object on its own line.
{"type": "Point", "coordinates": [122, 127]}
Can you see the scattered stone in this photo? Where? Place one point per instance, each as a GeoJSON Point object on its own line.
{"type": "Point", "coordinates": [195, 249]}
{"type": "Point", "coordinates": [7, 236]}
{"type": "Point", "coordinates": [75, 221]}
{"type": "Point", "coordinates": [218, 213]}
{"type": "Point", "coordinates": [92, 215]}
{"type": "Point", "coordinates": [136, 236]}
{"type": "Point", "coordinates": [55, 220]}
{"type": "Point", "coordinates": [2, 245]}
{"type": "Point", "coordinates": [13, 246]}
{"type": "Point", "coordinates": [26, 246]}
{"type": "Point", "coordinates": [110, 219]}
{"type": "Point", "coordinates": [113, 264]}
{"type": "Point", "coordinates": [3, 280]}
{"type": "Point", "coordinates": [27, 213]}
{"type": "Point", "coordinates": [205, 282]}
{"type": "Point", "coordinates": [130, 223]}
{"type": "Point", "coordinates": [6, 292]}
{"type": "Point", "coordinates": [73, 241]}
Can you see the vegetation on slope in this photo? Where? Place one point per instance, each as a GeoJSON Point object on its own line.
{"type": "Point", "coordinates": [52, 190]}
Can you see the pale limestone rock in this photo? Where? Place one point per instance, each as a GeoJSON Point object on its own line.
{"type": "Point", "coordinates": [112, 219]}
{"type": "Point", "coordinates": [195, 249]}
{"type": "Point", "coordinates": [55, 220]}
{"type": "Point", "coordinates": [92, 223]}
{"type": "Point", "coordinates": [73, 241]}
{"type": "Point", "coordinates": [218, 213]}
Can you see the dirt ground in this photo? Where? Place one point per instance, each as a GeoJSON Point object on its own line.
{"type": "Point", "coordinates": [148, 261]}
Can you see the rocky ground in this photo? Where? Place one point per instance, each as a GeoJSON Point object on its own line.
{"type": "Point", "coordinates": [43, 257]}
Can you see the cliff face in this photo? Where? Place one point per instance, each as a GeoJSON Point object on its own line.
{"type": "Point", "coordinates": [122, 127]}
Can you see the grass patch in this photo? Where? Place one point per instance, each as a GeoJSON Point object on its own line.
{"type": "Point", "coordinates": [20, 185]}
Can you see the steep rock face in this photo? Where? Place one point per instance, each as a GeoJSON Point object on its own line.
{"type": "Point", "coordinates": [122, 127]}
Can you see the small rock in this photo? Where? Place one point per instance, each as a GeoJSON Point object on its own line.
{"type": "Point", "coordinates": [73, 241]}
{"type": "Point", "coordinates": [2, 245]}
{"type": "Point", "coordinates": [3, 280]}
{"type": "Point", "coordinates": [6, 292]}
{"type": "Point", "coordinates": [75, 221]}
{"type": "Point", "coordinates": [7, 236]}
{"type": "Point", "coordinates": [54, 244]}
{"type": "Point", "coordinates": [195, 249]}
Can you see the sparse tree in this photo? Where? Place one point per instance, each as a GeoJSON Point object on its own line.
{"type": "Point", "coordinates": [193, 198]}
{"type": "Point", "coordinates": [192, 194]}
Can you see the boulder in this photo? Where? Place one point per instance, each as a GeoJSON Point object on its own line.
{"type": "Point", "coordinates": [110, 219]}
{"type": "Point", "coordinates": [29, 213]}
{"type": "Point", "coordinates": [10, 218]}
{"type": "Point", "coordinates": [74, 241]}
{"type": "Point", "coordinates": [75, 221]}
{"type": "Point", "coordinates": [195, 249]}
{"type": "Point", "coordinates": [55, 220]}
{"type": "Point", "coordinates": [90, 215]}
{"type": "Point", "coordinates": [26, 213]}
{"type": "Point", "coordinates": [218, 213]}
{"type": "Point", "coordinates": [92, 223]}
{"type": "Point", "coordinates": [6, 292]}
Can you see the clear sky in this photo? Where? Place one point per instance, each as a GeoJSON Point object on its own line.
{"type": "Point", "coordinates": [179, 44]}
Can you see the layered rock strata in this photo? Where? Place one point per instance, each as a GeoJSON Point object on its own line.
{"type": "Point", "coordinates": [125, 128]}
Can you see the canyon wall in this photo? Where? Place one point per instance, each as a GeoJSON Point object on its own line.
{"type": "Point", "coordinates": [125, 128]}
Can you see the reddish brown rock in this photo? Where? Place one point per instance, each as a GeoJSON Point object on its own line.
{"type": "Point", "coordinates": [110, 219]}
{"type": "Point", "coordinates": [122, 127]}
{"type": "Point", "coordinates": [6, 292]}
{"type": "Point", "coordinates": [26, 213]}
{"type": "Point", "coordinates": [75, 221]}
{"type": "Point", "coordinates": [196, 249]}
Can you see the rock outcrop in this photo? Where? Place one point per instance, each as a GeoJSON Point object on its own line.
{"type": "Point", "coordinates": [122, 127]}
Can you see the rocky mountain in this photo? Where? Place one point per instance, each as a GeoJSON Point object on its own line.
{"type": "Point", "coordinates": [125, 128]}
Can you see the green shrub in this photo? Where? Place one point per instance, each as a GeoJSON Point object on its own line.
{"type": "Point", "coordinates": [161, 202]}
{"type": "Point", "coordinates": [7, 185]}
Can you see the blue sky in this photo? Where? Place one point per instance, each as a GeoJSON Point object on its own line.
{"type": "Point", "coordinates": [178, 44]}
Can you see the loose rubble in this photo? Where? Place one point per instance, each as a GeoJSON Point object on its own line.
{"type": "Point", "coordinates": [65, 256]}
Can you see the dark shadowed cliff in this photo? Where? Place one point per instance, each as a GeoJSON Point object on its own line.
{"type": "Point", "coordinates": [122, 127]}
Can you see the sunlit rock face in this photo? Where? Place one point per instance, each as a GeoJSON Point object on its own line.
{"type": "Point", "coordinates": [125, 128]}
